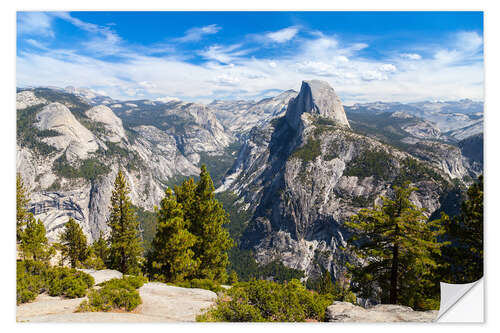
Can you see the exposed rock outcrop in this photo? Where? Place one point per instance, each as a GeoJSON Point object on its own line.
{"type": "Point", "coordinates": [382, 313]}
{"type": "Point", "coordinates": [304, 174]}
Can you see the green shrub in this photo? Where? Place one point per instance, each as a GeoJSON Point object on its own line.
{"type": "Point", "coordinates": [201, 284]}
{"type": "Point", "coordinates": [34, 278]}
{"type": "Point", "coordinates": [114, 294]}
{"type": "Point", "coordinates": [31, 279]}
{"type": "Point", "coordinates": [69, 282]}
{"type": "Point", "coordinates": [261, 300]}
{"type": "Point", "coordinates": [135, 281]}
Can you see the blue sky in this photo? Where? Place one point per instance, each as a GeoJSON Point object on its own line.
{"type": "Point", "coordinates": [201, 56]}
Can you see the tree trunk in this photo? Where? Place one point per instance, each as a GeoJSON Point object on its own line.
{"type": "Point", "coordinates": [393, 297]}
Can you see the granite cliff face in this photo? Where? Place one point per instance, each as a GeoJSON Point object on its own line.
{"type": "Point", "coordinates": [304, 174]}
{"type": "Point", "coordinates": [306, 162]}
{"type": "Point", "coordinates": [70, 151]}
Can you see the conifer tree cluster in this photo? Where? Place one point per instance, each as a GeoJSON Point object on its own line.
{"type": "Point", "coordinates": [30, 233]}
{"type": "Point", "coordinates": [399, 247]}
{"type": "Point", "coordinates": [463, 256]}
{"type": "Point", "coordinates": [190, 240]}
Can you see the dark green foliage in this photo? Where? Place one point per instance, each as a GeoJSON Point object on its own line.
{"type": "Point", "coordinates": [172, 258]}
{"type": "Point", "coordinates": [244, 265]}
{"type": "Point", "coordinates": [34, 244]}
{"type": "Point", "coordinates": [338, 290]}
{"type": "Point", "coordinates": [100, 248]}
{"type": "Point", "coordinates": [34, 278]}
{"type": "Point", "coordinates": [218, 165]}
{"type": "Point", "coordinates": [31, 277]}
{"type": "Point", "coordinates": [30, 136]}
{"type": "Point", "coordinates": [464, 254]}
{"type": "Point", "coordinates": [125, 246]}
{"type": "Point", "coordinates": [371, 163]}
{"type": "Point", "coordinates": [74, 243]}
{"type": "Point", "coordinates": [69, 282]}
{"type": "Point", "coordinates": [147, 223]}
{"type": "Point", "coordinates": [399, 247]}
{"type": "Point", "coordinates": [22, 201]}
{"type": "Point", "coordinates": [415, 171]}
{"type": "Point", "coordinates": [114, 294]}
{"type": "Point", "coordinates": [88, 169]}
{"type": "Point", "coordinates": [309, 151]}
{"type": "Point", "coordinates": [268, 301]}
{"type": "Point", "coordinates": [129, 159]}
{"type": "Point", "coordinates": [201, 284]}
{"type": "Point", "coordinates": [238, 216]}
{"type": "Point", "coordinates": [190, 240]}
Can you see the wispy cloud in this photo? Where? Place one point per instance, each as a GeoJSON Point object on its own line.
{"type": "Point", "coordinates": [450, 70]}
{"type": "Point", "coordinates": [195, 34]}
{"type": "Point", "coordinates": [283, 35]}
{"type": "Point", "coordinates": [411, 56]}
{"type": "Point", "coordinates": [35, 24]}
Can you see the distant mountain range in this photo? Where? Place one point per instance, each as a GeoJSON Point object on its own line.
{"type": "Point", "coordinates": [295, 166]}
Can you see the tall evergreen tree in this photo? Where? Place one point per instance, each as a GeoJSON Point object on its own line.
{"type": "Point", "coordinates": [207, 224]}
{"type": "Point", "coordinates": [465, 231]}
{"type": "Point", "coordinates": [398, 246]}
{"type": "Point", "coordinates": [125, 244]}
{"type": "Point", "coordinates": [34, 242]}
{"type": "Point", "coordinates": [74, 243]}
{"type": "Point", "coordinates": [22, 201]}
{"type": "Point", "coordinates": [172, 258]}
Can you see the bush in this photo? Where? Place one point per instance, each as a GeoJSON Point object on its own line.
{"type": "Point", "coordinates": [202, 284]}
{"type": "Point", "coordinates": [261, 300]}
{"type": "Point", "coordinates": [31, 277]}
{"type": "Point", "coordinates": [34, 278]}
{"type": "Point", "coordinates": [114, 294]}
{"type": "Point", "coordinates": [69, 282]}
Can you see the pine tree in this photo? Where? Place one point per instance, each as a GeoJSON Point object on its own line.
{"type": "Point", "coordinates": [465, 252]}
{"type": "Point", "coordinates": [171, 258]}
{"type": "Point", "coordinates": [207, 218]}
{"type": "Point", "coordinates": [325, 285]}
{"type": "Point", "coordinates": [100, 248]}
{"type": "Point", "coordinates": [34, 243]}
{"type": "Point", "coordinates": [22, 201]}
{"type": "Point", "coordinates": [74, 243]}
{"type": "Point", "coordinates": [125, 245]}
{"type": "Point", "coordinates": [398, 247]}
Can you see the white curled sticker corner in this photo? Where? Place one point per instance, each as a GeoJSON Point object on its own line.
{"type": "Point", "coordinates": [461, 302]}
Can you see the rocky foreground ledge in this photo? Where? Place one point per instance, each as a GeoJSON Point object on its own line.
{"type": "Point", "coordinates": [160, 303]}
{"type": "Point", "coordinates": [382, 313]}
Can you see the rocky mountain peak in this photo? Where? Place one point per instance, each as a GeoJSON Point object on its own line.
{"type": "Point", "coordinates": [317, 98]}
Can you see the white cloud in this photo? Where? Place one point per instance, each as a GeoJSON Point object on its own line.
{"type": "Point", "coordinates": [35, 24]}
{"type": "Point", "coordinates": [36, 44]}
{"type": "Point", "coordinates": [468, 41]}
{"type": "Point", "coordinates": [195, 34]}
{"type": "Point", "coordinates": [229, 72]}
{"type": "Point", "coordinates": [390, 68]}
{"type": "Point", "coordinates": [167, 99]}
{"type": "Point", "coordinates": [411, 56]}
{"type": "Point", "coordinates": [223, 54]}
{"type": "Point", "coordinates": [282, 35]}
